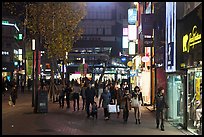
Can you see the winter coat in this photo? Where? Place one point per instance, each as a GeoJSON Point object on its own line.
{"type": "Point", "coordinates": [126, 101]}
{"type": "Point", "coordinates": [106, 97]}
{"type": "Point", "coordinates": [160, 101]}
{"type": "Point", "coordinates": [119, 96]}
{"type": "Point", "coordinates": [90, 94]}
{"type": "Point", "coordinates": [139, 95]}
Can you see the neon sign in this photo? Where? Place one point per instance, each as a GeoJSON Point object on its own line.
{"type": "Point", "coordinates": [191, 40]}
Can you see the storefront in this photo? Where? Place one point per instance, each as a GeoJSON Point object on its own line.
{"type": "Point", "coordinates": [190, 51]}
{"type": "Point", "coordinates": [175, 100]}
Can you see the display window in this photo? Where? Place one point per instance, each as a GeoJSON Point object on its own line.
{"type": "Point", "coordinates": [175, 99]}
{"type": "Point", "coordinates": [194, 100]}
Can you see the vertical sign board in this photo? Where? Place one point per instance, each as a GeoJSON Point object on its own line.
{"type": "Point", "coordinates": [170, 48]}
{"type": "Point", "coordinates": [125, 31]}
{"type": "Point", "coordinates": [132, 48]}
{"type": "Point", "coordinates": [125, 42]}
{"type": "Point", "coordinates": [132, 31]}
{"type": "Point", "coordinates": [132, 16]}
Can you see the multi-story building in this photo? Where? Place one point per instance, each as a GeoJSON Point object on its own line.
{"type": "Point", "coordinates": [11, 50]}
{"type": "Point", "coordinates": [102, 38]}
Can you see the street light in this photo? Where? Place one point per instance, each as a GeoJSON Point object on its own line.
{"type": "Point", "coordinates": [33, 88]}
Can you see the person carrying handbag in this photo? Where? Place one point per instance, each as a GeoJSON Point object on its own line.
{"type": "Point", "coordinates": [136, 103]}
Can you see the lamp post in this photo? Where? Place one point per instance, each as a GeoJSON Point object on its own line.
{"type": "Point", "coordinates": [33, 85]}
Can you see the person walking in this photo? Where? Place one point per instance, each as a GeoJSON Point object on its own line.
{"type": "Point", "coordinates": [119, 96]}
{"type": "Point", "coordinates": [112, 91]}
{"type": "Point", "coordinates": [126, 104]}
{"type": "Point", "coordinates": [76, 92]}
{"type": "Point", "coordinates": [13, 94]}
{"type": "Point", "coordinates": [83, 95]}
{"type": "Point", "coordinates": [105, 99]}
{"type": "Point", "coordinates": [90, 94]}
{"type": "Point", "coordinates": [22, 86]}
{"type": "Point", "coordinates": [136, 103]}
{"type": "Point", "coordinates": [68, 90]}
{"type": "Point", "coordinates": [61, 98]}
{"type": "Point", "coordinates": [161, 104]}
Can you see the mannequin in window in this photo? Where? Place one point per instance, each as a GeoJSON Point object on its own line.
{"type": "Point", "coordinates": [198, 110]}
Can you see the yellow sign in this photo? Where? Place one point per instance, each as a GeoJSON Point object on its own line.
{"type": "Point", "coordinates": [130, 64]}
{"type": "Point", "coordinates": [191, 40]}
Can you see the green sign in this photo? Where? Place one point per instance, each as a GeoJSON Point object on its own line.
{"type": "Point", "coordinates": [5, 22]}
{"type": "Point", "coordinates": [20, 36]}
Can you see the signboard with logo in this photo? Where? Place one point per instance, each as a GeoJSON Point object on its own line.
{"type": "Point", "coordinates": [189, 39]}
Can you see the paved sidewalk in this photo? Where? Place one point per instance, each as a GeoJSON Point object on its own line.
{"type": "Point", "coordinates": [20, 120]}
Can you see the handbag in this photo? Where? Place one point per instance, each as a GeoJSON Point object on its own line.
{"type": "Point", "coordinates": [113, 108]}
{"type": "Point", "coordinates": [135, 102]}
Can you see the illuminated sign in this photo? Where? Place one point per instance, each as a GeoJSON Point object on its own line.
{"type": "Point", "coordinates": [125, 42]}
{"type": "Point", "coordinates": [6, 23]}
{"type": "Point", "coordinates": [132, 48]}
{"type": "Point", "coordinates": [123, 59]}
{"type": "Point", "coordinates": [5, 53]}
{"type": "Point", "coordinates": [170, 37]}
{"type": "Point", "coordinates": [191, 40]}
{"type": "Point", "coordinates": [125, 31]}
{"type": "Point", "coordinates": [145, 59]}
{"type": "Point", "coordinates": [132, 31]}
{"type": "Point", "coordinates": [20, 36]}
{"type": "Point", "coordinates": [132, 16]}
{"type": "Point", "coordinates": [110, 72]}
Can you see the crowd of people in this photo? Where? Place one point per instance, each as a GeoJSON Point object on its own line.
{"type": "Point", "coordinates": [110, 93]}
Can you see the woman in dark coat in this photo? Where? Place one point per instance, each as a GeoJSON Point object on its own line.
{"type": "Point", "coordinates": [14, 95]}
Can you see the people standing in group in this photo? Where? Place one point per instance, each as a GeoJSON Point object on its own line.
{"type": "Point", "coordinates": [160, 100]}
{"type": "Point", "coordinates": [13, 94]}
{"type": "Point", "coordinates": [105, 99]}
{"type": "Point", "coordinates": [137, 101]}
{"type": "Point", "coordinates": [83, 95]}
{"type": "Point", "coordinates": [126, 104]}
{"type": "Point", "coordinates": [76, 93]}
{"type": "Point", "coordinates": [90, 94]}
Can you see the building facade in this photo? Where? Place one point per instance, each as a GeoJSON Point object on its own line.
{"type": "Point", "coordinates": [102, 38]}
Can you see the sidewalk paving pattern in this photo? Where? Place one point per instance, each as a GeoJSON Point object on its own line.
{"type": "Point", "coordinates": [20, 120]}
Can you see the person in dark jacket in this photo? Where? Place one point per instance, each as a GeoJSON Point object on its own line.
{"type": "Point", "coordinates": [106, 97]}
{"type": "Point", "coordinates": [14, 94]}
{"type": "Point", "coordinates": [83, 95]}
{"type": "Point", "coordinates": [61, 98]}
{"type": "Point", "coordinates": [68, 90]}
{"type": "Point", "coordinates": [161, 104]}
{"type": "Point", "coordinates": [94, 112]}
{"type": "Point", "coordinates": [126, 104]}
{"type": "Point", "coordinates": [90, 94]}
